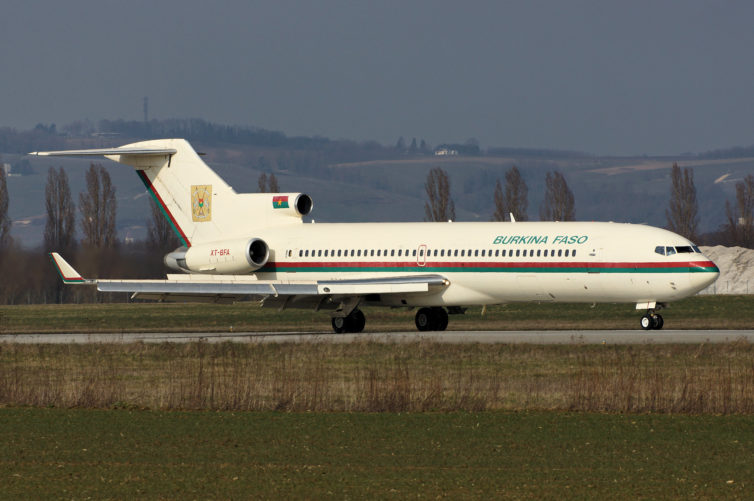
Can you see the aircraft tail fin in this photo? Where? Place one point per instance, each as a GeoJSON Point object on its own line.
{"type": "Point", "coordinates": [200, 206]}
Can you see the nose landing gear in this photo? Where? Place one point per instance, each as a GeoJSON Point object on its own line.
{"type": "Point", "coordinates": [652, 321]}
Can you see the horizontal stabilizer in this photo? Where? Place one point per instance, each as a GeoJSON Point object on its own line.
{"type": "Point", "coordinates": [107, 151]}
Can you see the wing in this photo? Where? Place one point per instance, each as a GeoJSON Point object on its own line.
{"type": "Point", "coordinates": [232, 288]}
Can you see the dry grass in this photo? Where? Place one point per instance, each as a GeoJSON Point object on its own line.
{"type": "Point", "coordinates": [374, 377]}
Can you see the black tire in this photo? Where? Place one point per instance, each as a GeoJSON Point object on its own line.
{"type": "Point", "coordinates": [339, 324]}
{"type": "Point", "coordinates": [441, 318]}
{"type": "Point", "coordinates": [646, 322]}
{"type": "Point", "coordinates": [424, 319]}
{"type": "Point", "coordinates": [356, 321]}
{"type": "Point", "coordinates": [659, 322]}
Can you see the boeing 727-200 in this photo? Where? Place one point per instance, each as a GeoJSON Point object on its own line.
{"type": "Point", "coordinates": [249, 246]}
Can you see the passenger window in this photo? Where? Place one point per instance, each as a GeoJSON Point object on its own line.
{"type": "Point", "coordinates": [573, 254]}
{"type": "Point", "coordinates": [338, 252]}
{"type": "Point", "coordinates": [358, 253]}
{"type": "Point", "coordinates": [352, 251]}
{"type": "Point", "coordinates": [524, 252]}
{"type": "Point", "coordinates": [392, 252]}
{"type": "Point", "coordinates": [497, 252]}
{"type": "Point", "coordinates": [435, 252]}
{"type": "Point", "coordinates": [476, 253]}
{"type": "Point", "coordinates": [414, 253]}
{"type": "Point", "coordinates": [319, 253]}
{"type": "Point", "coordinates": [300, 253]}
{"type": "Point", "coordinates": [503, 252]}
{"type": "Point", "coordinates": [371, 253]}
{"type": "Point", "coordinates": [539, 252]}
{"type": "Point", "coordinates": [560, 252]}
{"type": "Point", "coordinates": [442, 253]}
{"type": "Point", "coordinates": [669, 251]}
{"type": "Point", "coordinates": [518, 252]}
{"type": "Point", "coordinates": [660, 249]}
{"type": "Point", "coordinates": [567, 251]}
{"type": "Point", "coordinates": [455, 253]}
{"type": "Point", "coordinates": [545, 252]}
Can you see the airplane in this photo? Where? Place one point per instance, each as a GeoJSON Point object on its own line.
{"type": "Point", "coordinates": [256, 246]}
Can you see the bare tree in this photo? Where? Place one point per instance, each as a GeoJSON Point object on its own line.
{"type": "Point", "coordinates": [60, 229]}
{"type": "Point", "coordinates": [160, 234]}
{"type": "Point", "coordinates": [262, 182]}
{"type": "Point", "coordinates": [4, 217]}
{"type": "Point", "coordinates": [683, 210]}
{"type": "Point", "coordinates": [268, 184]}
{"type": "Point", "coordinates": [739, 226]}
{"type": "Point", "coordinates": [272, 184]}
{"type": "Point", "coordinates": [559, 204]}
{"type": "Point", "coordinates": [514, 199]}
{"type": "Point", "coordinates": [98, 207]}
{"type": "Point", "coordinates": [440, 206]}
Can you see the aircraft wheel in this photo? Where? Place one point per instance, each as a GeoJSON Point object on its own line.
{"type": "Point", "coordinates": [441, 318]}
{"type": "Point", "coordinates": [356, 321]}
{"type": "Point", "coordinates": [339, 324]}
{"type": "Point", "coordinates": [658, 322]}
{"type": "Point", "coordinates": [646, 322]}
{"type": "Point", "coordinates": [424, 319]}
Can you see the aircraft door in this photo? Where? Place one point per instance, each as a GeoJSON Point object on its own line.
{"type": "Point", "coordinates": [421, 255]}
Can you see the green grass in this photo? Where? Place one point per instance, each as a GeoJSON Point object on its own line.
{"type": "Point", "coordinates": [699, 312]}
{"type": "Point", "coordinates": [47, 453]}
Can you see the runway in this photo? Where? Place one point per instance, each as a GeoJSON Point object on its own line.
{"type": "Point", "coordinates": [516, 337]}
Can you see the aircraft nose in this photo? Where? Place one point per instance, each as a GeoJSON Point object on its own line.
{"type": "Point", "coordinates": [704, 274]}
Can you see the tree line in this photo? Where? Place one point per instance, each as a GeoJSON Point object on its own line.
{"type": "Point", "coordinates": [511, 202]}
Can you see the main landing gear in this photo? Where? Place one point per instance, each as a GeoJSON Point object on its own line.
{"type": "Point", "coordinates": [432, 319]}
{"type": "Point", "coordinates": [353, 322]}
{"type": "Point", "coordinates": [652, 321]}
{"type": "Point", "coordinates": [427, 319]}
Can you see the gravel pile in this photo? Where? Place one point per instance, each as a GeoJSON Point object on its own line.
{"type": "Point", "coordinates": [736, 270]}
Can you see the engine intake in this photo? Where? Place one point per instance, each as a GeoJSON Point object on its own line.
{"type": "Point", "coordinates": [304, 204]}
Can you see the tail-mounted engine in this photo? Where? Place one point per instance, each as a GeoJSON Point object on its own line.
{"type": "Point", "coordinates": [234, 257]}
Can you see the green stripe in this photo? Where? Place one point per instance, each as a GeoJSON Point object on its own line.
{"type": "Point", "coordinates": [472, 269]}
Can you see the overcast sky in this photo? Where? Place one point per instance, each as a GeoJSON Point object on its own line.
{"type": "Point", "coordinates": [626, 77]}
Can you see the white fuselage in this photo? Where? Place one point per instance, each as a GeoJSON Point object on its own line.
{"type": "Point", "coordinates": [489, 263]}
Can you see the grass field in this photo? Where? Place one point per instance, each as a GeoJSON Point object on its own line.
{"type": "Point", "coordinates": [698, 312]}
{"type": "Point", "coordinates": [375, 377]}
{"type": "Point", "coordinates": [78, 454]}
{"type": "Point", "coordinates": [374, 420]}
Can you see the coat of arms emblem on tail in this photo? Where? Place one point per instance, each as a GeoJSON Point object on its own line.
{"type": "Point", "coordinates": [201, 202]}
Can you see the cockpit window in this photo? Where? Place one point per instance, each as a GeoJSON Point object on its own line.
{"type": "Point", "coordinates": [669, 251]}
{"type": "Point", "coordinates": [660, 249]}
{"type": "Point", "coordinates": [696, 249]}
{"type": "Point", "coordinates": [684, 249]}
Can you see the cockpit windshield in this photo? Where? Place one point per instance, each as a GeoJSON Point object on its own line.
{"type": "Point", "coordinates": [667, 250]}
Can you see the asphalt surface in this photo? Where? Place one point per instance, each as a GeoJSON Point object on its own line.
{"type": "Point", "coordinates": [532, 337]}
